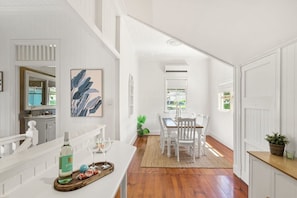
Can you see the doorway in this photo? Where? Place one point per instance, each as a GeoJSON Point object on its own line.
{"type": "Point", "coordinates": [40, 58]}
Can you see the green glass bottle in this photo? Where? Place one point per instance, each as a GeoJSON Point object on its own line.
{"type": "Point", "coordinates": [66, 161]}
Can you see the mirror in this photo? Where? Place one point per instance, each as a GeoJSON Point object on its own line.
{"type": "Point", "coordinates": [39, 90]}
{"type": "Point", "coordinates": [38, 101]}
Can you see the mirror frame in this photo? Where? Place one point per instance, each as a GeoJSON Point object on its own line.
{"type": "Point", "coordinates": [31, 73]}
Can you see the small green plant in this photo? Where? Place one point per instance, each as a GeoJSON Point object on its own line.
{"type": "Point", "coordinates": [140, 122]}
{"type": "Point", "coordinates": [277, 138]}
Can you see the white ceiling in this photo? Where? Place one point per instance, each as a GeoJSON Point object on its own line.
{"type": "Point", "coordinates": [150, 43]}
{"type": "Point", "coordinates": [234, 31]}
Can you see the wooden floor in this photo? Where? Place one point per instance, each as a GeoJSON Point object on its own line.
{"type": "Point", "coordinates": [183, 182]}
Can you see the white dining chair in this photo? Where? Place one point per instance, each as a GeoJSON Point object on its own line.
{"type": "Point", "coordinates": [202, 120]}
{"type": "Point", "coordinates": [165, 136]}
{"type": "Point", "coordinates": [186, 128]}
{"type": "Point", "coordinates": [188, 114]}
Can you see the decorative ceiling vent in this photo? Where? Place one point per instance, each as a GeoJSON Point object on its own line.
{"type": "Point", "coordinates": [176, 68]}
{"type": "Point", "coordinates": [36, 52]}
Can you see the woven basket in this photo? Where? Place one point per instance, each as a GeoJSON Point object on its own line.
{"type": "Point", "coordinates": [276, 149]}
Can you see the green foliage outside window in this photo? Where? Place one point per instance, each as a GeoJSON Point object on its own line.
{"type": "Point", "coordinates": [176, 97]}
{"type": "Point", "coordinates": [224, 101]}
{"type": "Point", "coordinates": [227, 100]}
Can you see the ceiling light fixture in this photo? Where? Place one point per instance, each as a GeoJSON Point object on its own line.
{"type": "Point", "coordinates": [173, 42]}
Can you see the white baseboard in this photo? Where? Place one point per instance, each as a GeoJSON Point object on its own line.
{"type": "Point", "coordinates": [220, 140]}
{"type": "Point", "coordinates": [133, 139]}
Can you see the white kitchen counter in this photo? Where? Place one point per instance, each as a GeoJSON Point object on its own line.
{"type": "Point", "coordinates": [42, 186]}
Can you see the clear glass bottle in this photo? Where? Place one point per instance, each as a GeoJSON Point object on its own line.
{"type": "Point", "coordinates": [65, 161]}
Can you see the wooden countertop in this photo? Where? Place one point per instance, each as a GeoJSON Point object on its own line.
{"type": "Point", "coordinates": [283, 164]}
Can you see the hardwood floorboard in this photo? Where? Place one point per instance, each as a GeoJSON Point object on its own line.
{"type": "Point", "coordinates": [183, 182]}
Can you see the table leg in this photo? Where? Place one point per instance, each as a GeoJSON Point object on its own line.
{"type": "Point", "coordinates": [124, 187]}
{"type": "Point", "coordinates": [168, 146]}
{"type": "Point", "coordinates": [199, 141]}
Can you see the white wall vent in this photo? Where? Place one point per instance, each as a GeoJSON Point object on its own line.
{"type": "Point", "coordinates": [35, 52]}
{"type": "Point", "coordinates": [176, 68]}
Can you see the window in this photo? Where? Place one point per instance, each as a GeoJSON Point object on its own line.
{"type": "Point", "coordinates": [224, 99]}
{"type": "Point", "coordinates": [52, 96]}
{"type": "Point", "coordinates": [225, 95]}
{"type": "Point", "coordinates": [176, 94]}
{"type": "Point", "coordinates": [35, 96]}
{"type": "Point", "coordinates": [176, 97]}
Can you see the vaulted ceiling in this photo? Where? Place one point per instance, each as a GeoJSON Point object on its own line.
{"type": "Point", "coordinates": [152, 44]}
{"type": "Point", "coordinates": [234, 31]}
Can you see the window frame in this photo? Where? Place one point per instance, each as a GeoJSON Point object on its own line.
{"type": "Point", "coordinates": [223, 88]}
{"type": "Point", "coordinates": [166, 110]}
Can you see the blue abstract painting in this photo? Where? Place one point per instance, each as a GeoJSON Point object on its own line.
{"type": "Point", "coordinates": [86, 92]}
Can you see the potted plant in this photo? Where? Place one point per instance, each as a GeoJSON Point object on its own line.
{"type": "Point", "coordinates": [140, 122]}
{"type": "Point", "coordinates": [277, 143]}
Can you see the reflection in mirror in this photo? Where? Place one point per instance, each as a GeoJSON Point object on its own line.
{"type": "Point", "coordinates": [51, 93]}
{"type": "Point", "coordinates": [40, 90]}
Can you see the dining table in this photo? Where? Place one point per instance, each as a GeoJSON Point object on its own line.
{"type": "Point", "coordinates": [171, 126]}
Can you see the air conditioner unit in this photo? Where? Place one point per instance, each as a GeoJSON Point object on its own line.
{"type": "Point", "coordinates": [176, 68]}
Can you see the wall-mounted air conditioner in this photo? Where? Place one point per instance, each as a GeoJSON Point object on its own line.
{"type": "Point", "coordinates": [176, 68]}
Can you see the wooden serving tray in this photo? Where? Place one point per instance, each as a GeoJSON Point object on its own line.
{"type": "Point", "coordinates": [77, 183]}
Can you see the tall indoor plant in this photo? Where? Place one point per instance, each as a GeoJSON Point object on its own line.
{"type": "Point", "coordinates": [277, 143]}
{"type": "Point", "coordinates": [140, 122]}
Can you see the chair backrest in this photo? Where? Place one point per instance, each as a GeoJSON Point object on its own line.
{"type": "Point", "coordinates": [203, 120]}
{"type": "Point", "coordinates": [161, 125]}
{"type": "Point", "coordinates": [186, 129]}
{"type": "Point", "coordinates": [187, 114]}
{"type": "Point", "coordinates": [170, 114]}
{"type": "Point", "coordinates": [160, 121]}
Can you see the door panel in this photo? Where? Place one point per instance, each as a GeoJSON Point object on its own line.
{"type": "Point", "coordinates": [260, 86]}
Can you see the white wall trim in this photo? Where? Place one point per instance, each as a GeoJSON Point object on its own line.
{"type": "Point", "coordinates": [236, 122]}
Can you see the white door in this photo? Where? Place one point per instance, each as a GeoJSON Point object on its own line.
{"type": "Point", "coordinates": [260, 105]}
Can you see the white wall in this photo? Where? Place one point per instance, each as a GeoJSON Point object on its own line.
{"type": "Point", "coordinates": [128, 65]}
{"type": "Point", "coordinates": [125, 124]}
{"type": "Point", "coordinates": [79, 48]}
{"type": "Point", "coordinates": [152, 88]}
{"type": "Point", "coordinates": [221, 123]}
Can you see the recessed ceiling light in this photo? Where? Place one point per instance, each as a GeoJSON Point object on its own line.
{"type": "Point", "coordinates": [173, 42]}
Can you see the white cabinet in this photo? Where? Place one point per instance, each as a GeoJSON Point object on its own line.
{"type": "Point", "coordinates": [272, 176]}
{"type": "Point", "coordinates": [260, 177]}
{"type": "Point", "coordinates": [285, 186]}
{"type": "Point", "coordinates": [46, 127]}
{"type": "Point", "coordinates": [50, 129]}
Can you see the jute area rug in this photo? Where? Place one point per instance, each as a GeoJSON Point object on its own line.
{"type": "Point", "coordinates": [154, 158]}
